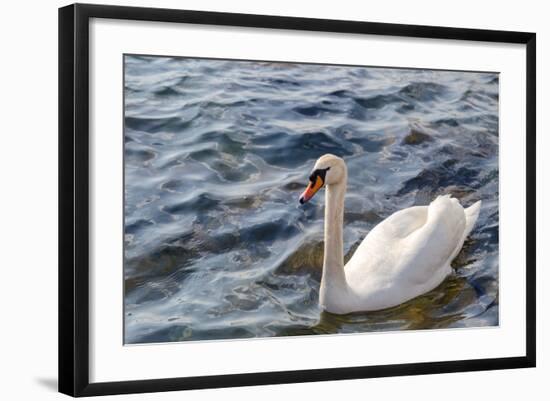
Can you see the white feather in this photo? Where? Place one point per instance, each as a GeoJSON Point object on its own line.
{"type": "Point", "coordinates": [404, 256]}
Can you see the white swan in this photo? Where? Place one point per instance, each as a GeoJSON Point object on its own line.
{"type": "Point", "coordinates": [404, 256]}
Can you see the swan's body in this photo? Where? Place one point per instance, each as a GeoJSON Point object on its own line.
{"type": "Point", "coordinates": [404, 256]}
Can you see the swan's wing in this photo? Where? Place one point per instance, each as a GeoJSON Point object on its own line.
{"type": "Point", "coordinates": [410, 250]}
{"type": "Point", "coordinates": [428, 251]}
{"type": "Point", "coordinates": [378, 250]}
{"type": "Point", "coordinates": [403, 222]}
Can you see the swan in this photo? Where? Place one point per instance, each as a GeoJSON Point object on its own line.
{"type": "Point", "coordinates": [404, 256]}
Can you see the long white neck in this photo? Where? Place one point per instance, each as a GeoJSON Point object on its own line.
{"type": "Point", "coordinates": [333, 280]}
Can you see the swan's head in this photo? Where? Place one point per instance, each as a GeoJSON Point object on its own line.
{"type": "Point", "coordinates": [328, 170]}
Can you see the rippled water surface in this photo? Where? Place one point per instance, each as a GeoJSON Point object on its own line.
{"type": "Point", "coordinates": [217, 153]}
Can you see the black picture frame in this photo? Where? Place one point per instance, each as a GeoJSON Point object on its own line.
{"type": "Point", "coordinates": [74, 198]}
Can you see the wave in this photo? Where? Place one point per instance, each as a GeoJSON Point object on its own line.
{"type": "Point", "coordinates": [217, 153]}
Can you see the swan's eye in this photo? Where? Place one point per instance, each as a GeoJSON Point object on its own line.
{"type": "Point", "coordinates": [323, 173]}
{"type": "Point", "coordinates": [320, 172]}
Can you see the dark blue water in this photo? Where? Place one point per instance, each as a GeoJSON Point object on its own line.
{"type": "Point", "coordinates": [217, 153]}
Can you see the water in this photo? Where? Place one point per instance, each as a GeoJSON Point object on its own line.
{"type": "Point", "coordinates": [217, 153]}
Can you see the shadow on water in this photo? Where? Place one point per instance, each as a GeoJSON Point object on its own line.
{"type": "Point", "coordinates": [437, 309]}
{"type": "Point", "coordinates": [217, 153]}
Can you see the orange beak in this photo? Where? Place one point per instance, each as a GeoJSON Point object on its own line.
{"type": "Point", "coordinates": [311, 190]}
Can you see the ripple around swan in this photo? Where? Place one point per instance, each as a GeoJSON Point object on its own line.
{"type": "Point", "coordinates": [217, 153]}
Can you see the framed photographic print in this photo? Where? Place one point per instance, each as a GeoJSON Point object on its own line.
{"type": "Point", "coordinates": [250, 199]}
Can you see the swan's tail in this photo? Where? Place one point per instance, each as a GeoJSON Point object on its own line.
{"type": "Point", "coordinates": [471, 213]}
